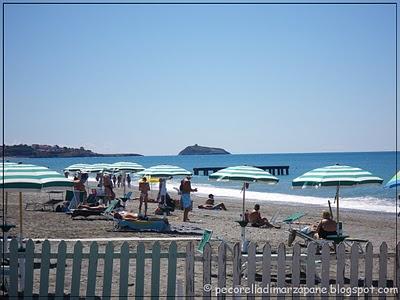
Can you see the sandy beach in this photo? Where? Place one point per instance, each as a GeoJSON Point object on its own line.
{"type": "Point", "coordinates": [374, 226]}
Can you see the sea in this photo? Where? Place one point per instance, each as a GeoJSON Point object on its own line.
{"type": "Point", "coordinates": [368, 197]}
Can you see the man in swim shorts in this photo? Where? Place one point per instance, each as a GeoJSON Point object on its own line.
{"type": "Point", "coordinates": [186, 189]}
{"type": "Point", "coordinates": [144, 189]}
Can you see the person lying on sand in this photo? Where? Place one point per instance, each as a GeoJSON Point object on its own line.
{"type": "Point", "coordinates": [125, 215]}
{"type": "Point", "coordinates": [99, 207]}
{"type": "Point", "coordinates": [256, 220]}
{"type": "Point", "coordinates": [210, 204]}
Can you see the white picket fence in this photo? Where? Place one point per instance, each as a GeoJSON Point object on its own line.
{"type": "Point", "coordinates": [220, 271]}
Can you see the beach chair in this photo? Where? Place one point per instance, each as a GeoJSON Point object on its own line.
{"type": "Point", "coordinates": [142, 225]}
{"type": "Point", "coordinates": [207, 234]}
{"type": "Point", "coordinates": [126, 197]}
{"type": "Point", "coordinates": [290, 220]}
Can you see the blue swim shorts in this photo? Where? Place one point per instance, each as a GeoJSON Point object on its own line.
{"type": "Point", "coordinates": [186, 201]}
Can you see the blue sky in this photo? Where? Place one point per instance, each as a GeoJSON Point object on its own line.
{"type": "Point", "coordinates": [152, 79]}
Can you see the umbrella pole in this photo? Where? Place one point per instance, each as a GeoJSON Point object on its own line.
{"type": "Point", "coordinates": [337, 210]}
{"type": "Point", "coordinates": [20, 216]}
{"type": "Point", "coordinates": [243, 233]}
{"type": "Point", "coordinates": [5, 209]}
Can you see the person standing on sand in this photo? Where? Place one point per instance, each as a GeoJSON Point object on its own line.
{"type": "Point", "coordinates": [186, 189]}
{"type": "Point", "coordinates": [144, 189]}
{"type": "Point", "coordinates": [114, 179]}
{"type": "Point", "coordinates": [128, 180]}
{"type": "Point", "coordinates": [119, 178]}
{"type": "Point", "coordinates": [108, 188]}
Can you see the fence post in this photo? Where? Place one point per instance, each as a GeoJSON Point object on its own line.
{"type": "Point", "coordinates": [296, 269]}
{"type": "Point", "coordinates": [236, 267]}
{"type": "Point", "coordinates": [189, 284]}
{"type": "Point", "coordinates": [207, 271]}
{"type": "Point", "coordinates": [124, 271]}
{"type": "Point", "coordinates": [325, 270]}
{"type": "Point", "coordinates": [28, 286]}
{"type": "Point", "coordinates": [76, 270]}
{"type": "Point", "coordinates": [221, 268]}
{"type": "Point", "coordinates": [172, 282]}
{"type": "Point", "coordinates": [92, 271]}
{"type": "Point", "coordinates": [60, 275]}
{"type": "Point", "coordinates": [266, 270]}
{"type": "Point", "coordinates": [251, 269]}
{"type": "Point", "coordinates": [340, 268]}
{"type": "Point", "coordinates": [310, 268]}
{"type": "Point", "coordinates": [13, 293]}
{"type": "Point", "coordinates": [281, 269]}
{"type": "Point", "coordinates": [382, 282]}
{"type": "Point", "coordinates": [108, 270]}
{"type": "Point", "coordinates": [139, 289]}
{"type": "Point", "coordinates": [369, 252]}
{"type": "Point", "coordinates": [155, 271]}
{"type": "Point", "coordinates": [44, 270]}
{"type": "Point", "coordinates": [354, 268]}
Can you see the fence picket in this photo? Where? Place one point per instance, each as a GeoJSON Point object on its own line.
{"type": "Point", "coordinates": [60, 274]}
{"type": "Point", "coordinates": [310, 267]}
{"type": "Point", "coordinates": [29, 250]}
{"type": "Point", "coordinates": [266, 269]}
{"type": "Point", "coordinates": [221, 268]}
{"type": "Point", "coordinates": [325, 270]}
{"type": "Point", "coordinates": [108, 270]}
{"type": "Point", "coordinates": [76, 270]}
{"type": "Point", "coordinates": [368, 267]}
{"type": "Point", "coordinates": [237, 268]}
{"type": "Point", "coordinates": [13, 269]}
{"type": "Point", "coordinates": [189, 282]}
{"type": "Point", "coordinates": [296, 269]}
{"type": "Point", "coordinates": [251, 268]}
{"type": "Point", "coordinates": [155, 271]}
{"type": "Point", "coordinates": [139, 289]}
{"type": "Point", "coordinates": [172, 258]}
{"type": "Point", "coordinates": [281, 269]}
{"type": "Point", "coordinates": [354, 268]}
{"type": "Point", "coordinates": [124, 271]}
{"type": "Point", "coordinates": [207, 270]}
{"type": "Point", "coordinates": [92, 271]}
{"type": "Point", "coordinates": [340, 268]}
{"type": "Point", "coordinates": [44, 270]}
{"type": "Point", "coordinates": [382, 281]}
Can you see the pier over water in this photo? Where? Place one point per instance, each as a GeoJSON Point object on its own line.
{"type": "Point", "coordinates": [273, 170]}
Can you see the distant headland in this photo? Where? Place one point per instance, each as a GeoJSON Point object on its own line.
{"type": "Point", "coordinates": [202, 150]}
{"type": "Point", "coordinates": [45, 151]}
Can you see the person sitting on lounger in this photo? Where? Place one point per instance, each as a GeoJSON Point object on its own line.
{"type": "Point", "coordinates": [210, 204]}
{"type": "Point", "coordinates": [256, 220]}
{"type": "Point", "coordinates": [326, 226]}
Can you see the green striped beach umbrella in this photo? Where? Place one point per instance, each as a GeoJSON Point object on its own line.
{"type": "Point", "coordinates": [395, 181]}
{"type": "Point", "coordinates": [31, 178]}
{"type": "Point", "coordinates": [164, 171]}
{"type": "Point", "coordinates": [96, 168]}
{"type": "Point", "coordinates": [245, 174]}
{"type": "Point", "coordinates": [76, 167]}
{"type": "Point", "coordinates": [336, 176]}
{"type": "Point", "coordinates": [127, 167]}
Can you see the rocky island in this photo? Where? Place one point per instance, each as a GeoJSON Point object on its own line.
{"type": "Point", "coordinates": [202, 150]}
{"type": "Point", "coordinates": [36, 150]}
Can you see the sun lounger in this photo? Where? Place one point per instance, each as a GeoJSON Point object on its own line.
{"type": "Point", "coordinates": [151, 224]}
{"type": "Point", "coordinates": [87, 212]}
